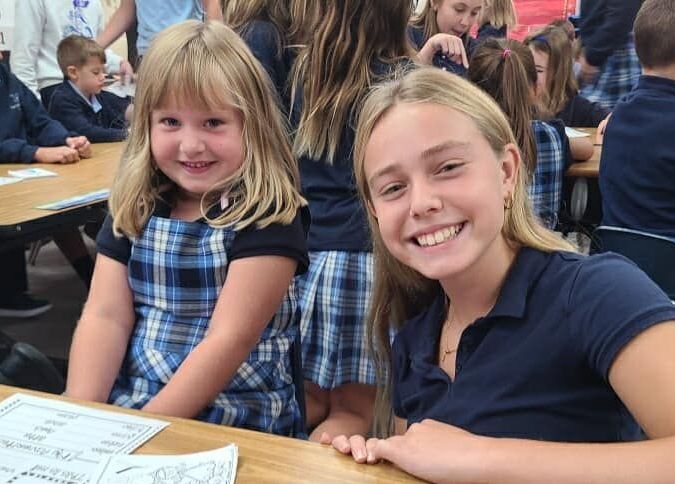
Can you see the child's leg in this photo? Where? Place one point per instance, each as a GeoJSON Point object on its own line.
{"type": "Point", "coordinates": [350, 411]}
{"type": "Point", "coordinates": [317, 404]}
{"type": "Point", "coordinates": [72, 246]}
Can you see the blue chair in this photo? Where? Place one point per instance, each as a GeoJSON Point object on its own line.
{"type": "Point", "coordinates": [654, 254]}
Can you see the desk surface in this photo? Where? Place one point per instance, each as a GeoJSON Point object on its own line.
{"type": "Point", "coordinates": [589, 168]}
{"type": "Point", "coordinates": [262, 457]}
{"type": "Point", "coordinates": [18, 201]}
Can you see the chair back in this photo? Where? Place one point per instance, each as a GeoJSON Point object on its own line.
{"type": "Point", "coordinates": [654, 254]}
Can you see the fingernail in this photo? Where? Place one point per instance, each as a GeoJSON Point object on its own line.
{"type": "Point", "coordinates": [360, 455]}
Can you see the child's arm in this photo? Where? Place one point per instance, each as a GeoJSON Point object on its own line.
{"type": "Point", "coordinates": [27, 42]}
{"type": "Point", "coordinates": [642, 375]}
{"type": "Point", "coordinates": [450, 45]}
{"type": "Point", "coordinates": [102, 334]}
{"type": "Point", "coordinates": [69, 112]}
{"type": "Point", "coordinates": [252, 293]}
{"type": "Point", "coordinates": [123, 18]}
{"type": "Point", "coordinates": [581, 148]}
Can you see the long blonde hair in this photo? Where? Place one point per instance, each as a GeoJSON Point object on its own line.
{"type": "Point", "coordinates": [207, 66]}
{"type": "Point", "coordinates": [561, 85]}
{"type": "Point", "coordinates": [304, 16]}
{"type": "Point", "coordinates": [399, 291]}
{"type": "Point", "coordinates": [426, 20]}
{"type": "Point", "coordinates": [237, 14]}
{"type": "Point", "coordinates": [334, 71]}
{"type": "Point", "coordinates": [499, 13]}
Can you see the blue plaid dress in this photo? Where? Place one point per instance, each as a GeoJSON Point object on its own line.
{"type": "Point", "coordinates": [546, 186]}
{"type": "Point", "coordinates": [333, 296]}
{"type": "Point", "coordinates": [618, 76]}
{"type": "Point", "coordinates": [176, 271]}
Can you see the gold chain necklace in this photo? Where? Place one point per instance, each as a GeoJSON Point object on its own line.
{"type": "Point", "coordinates": [448, 321]}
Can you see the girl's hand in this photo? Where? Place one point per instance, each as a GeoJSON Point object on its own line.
{"type": "Point", "coordinates": [433, 451]}
{"type": "Point", "coordinates": [450, 45]}
{"type": "Point", "coordinates": [356, 446]}
{"type": "Point", "coordinates": [600, 133]}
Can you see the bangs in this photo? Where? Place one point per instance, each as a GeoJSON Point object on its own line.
{"type": "Point", "coordinates": [197, 79]}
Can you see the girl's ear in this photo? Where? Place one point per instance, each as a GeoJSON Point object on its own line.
{"type": "Point", "coordinates": [371, 208]}
{"type": "Point", "coordinates": [510, 164]}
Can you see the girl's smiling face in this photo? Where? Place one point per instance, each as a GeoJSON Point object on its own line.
{"type": "Point", "coordinates": [438, 189]}
{"type": "Point", "coordinates": [196, 149]}
{"type": "Point", "coordinates": [456, 17]}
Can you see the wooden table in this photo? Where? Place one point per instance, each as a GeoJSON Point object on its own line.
{"type": "Point", "coordinates": [262, 457]}
{"type": "Point", "coordinates": [582, 172]}
{"type": "Point", "coordinates": [21, 221]}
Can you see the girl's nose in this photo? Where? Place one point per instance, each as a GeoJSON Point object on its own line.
{"type": "Point", "coordinates": [424, 200]}
{"type": "Point", "coordinates": [191, 144]}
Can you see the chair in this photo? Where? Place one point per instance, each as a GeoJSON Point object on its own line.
{"type": "Point", "coordinates": [22, 365]}
{"type": "Point", "coordinates": [654, 254]}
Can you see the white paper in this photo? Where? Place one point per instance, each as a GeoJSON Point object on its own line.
{"type": "Point", "coordinates": [575, 133]}
{"type": "Point", "coordinates": [47, 441]}
{"type": "Point", "coordinates": [95, 196]}
{"type": "Point", "coordinates": [212, 467]}
{"type": "Point", "coordinates": [8, 180]}
{"type": "Point", "coordinates": [31, 173]}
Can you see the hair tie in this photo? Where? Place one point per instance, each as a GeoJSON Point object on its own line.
{"type": "Point", "coordinates": [506, 53]}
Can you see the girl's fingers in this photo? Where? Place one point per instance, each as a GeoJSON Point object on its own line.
{"type": "Point", "coordinates": [371, 445]}
{"type": "Point", "coordinates": [341, 444]}
{"type": "Point", "coordinates": [325, 439]}
{"type": "Point", "coordinates": [358, 448]}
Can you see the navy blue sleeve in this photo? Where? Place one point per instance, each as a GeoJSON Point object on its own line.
{"type": "Point", "coordinates": [69, 111]}
{"type": "Point", "coordinates": [117, 248]}
{"type": "Point", "coordinates": [611, 33]}
{"type": "Point", "coordinates": [264, 41]}
{"type": "Point", "coordinates": [399, 361]}
{"type": "Point", "coordinates": [14, 150]}
{"type": "Point", "coordinates": [610, 303]}
{"type": "Point", "coordinates": [275, 239]}
{"type": "Point", "coordinates": [42, 129]}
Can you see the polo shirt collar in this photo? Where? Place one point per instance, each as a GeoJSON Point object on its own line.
{"type": "Point", "coordinates": [93, 102]}
{"type": "Point", "coordinates": [164, 204]}
{"type": "Point", "coordinates": [660, 84]}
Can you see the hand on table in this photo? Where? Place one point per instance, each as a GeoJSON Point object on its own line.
{"type": "Point", "coordinates": [600, 132]}
{"type": "Point", "coordinates": [81, 144]}
{"type": "Point", "coordinates": [57, 154]}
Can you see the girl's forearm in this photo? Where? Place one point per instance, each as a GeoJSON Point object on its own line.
{"type": "Point", "coordinates": [523, 461]}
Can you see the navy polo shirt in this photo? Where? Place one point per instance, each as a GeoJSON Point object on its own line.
{"type": "Point", "coordinates": [536, 367]}
{"type": "Point", "coordinates": [637, 168]}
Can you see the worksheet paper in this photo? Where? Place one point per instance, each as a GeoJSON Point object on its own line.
{"type": "Point", "coordinates": [95, 196]}
{"type": "Point", "coordinates": [212, 467]}
{"type": "Point", "coordinates": [575, 133]}
{"type": "Point", "coordinates": [45, 441]}
{"type": "Point", "coordinates": [31, 173]}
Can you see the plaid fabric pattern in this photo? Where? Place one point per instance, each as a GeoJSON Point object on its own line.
{"type": "Point", "coordinates": [176, 272]}
{"type": "Point", "coordinates": [617, 77]}
{"type": "Point", "coordinates": [333, 296]}
{"type": "Point", "coordinates": [546, 186]}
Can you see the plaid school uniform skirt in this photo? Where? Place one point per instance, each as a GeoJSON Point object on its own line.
{"type": "Point", "coordinates": [333, 296]}
{"type": "Point", "coordinates": [176, 272]}
{"type": "Point", "coordinates": [617, 77]}
{"type": "Point", "coordinates": [546, 188]}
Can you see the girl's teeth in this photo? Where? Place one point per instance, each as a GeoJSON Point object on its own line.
{"type": "Point", "coordinates": [440, 236]}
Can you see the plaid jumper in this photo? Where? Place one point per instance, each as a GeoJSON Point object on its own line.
{"type": "Point", "coordinates": [176, 272]}
{"type": "Point", "coordinates": [546, 186]}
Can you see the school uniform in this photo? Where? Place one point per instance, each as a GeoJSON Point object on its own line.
{"type": "Point", "coordinates": [553, 159]}
{"type": "Point", "coordinates": [100, 118]}
{"type": "Point", "coordinates": [440, 60]}
{"type": "Point", "coordinates": [176, 272]}
{"type": "Point", "coordinates": [25, 124]}
{"type": "Point", "coordinates": [489, 31]}
{"type": "Point", "coordinates": [579, 112]}
{"type": "Point", "coordinates": [606, 37]}
{"type": "Point", "coordinates": [333, 295]}
{"type": "Point", "coordinates": [637, 167]}
{"type": "Point", "coordinates": [537, 365]}
{"type": "Point", "coordinates": [266, 44]}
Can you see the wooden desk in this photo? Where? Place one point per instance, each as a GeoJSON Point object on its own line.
{"type": "Point", "coordinates": [21, 222]}
{"type": "Point", "coordinates": [262, 457]}
{"type": "Point", "coordinates": [582, 172]}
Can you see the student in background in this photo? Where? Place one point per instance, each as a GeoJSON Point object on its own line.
{"type": "Point", "coordinates": [637, 169]}
{"type": "Point", "coordinates": [557, 87]}
{"type": "Point", "coordinates": [28, 134]}
{"type": "Point", "coordinates": [263, 25]}
{"type": "Point", "coordinates": [516, 359]}
{"type": "Point", "coordinates": [609, 67]}
{"type": "Point", "coordinates": [496, 17]}
{"type": "Point", "coordinates": [43, 24]}
{"type": "Point", "coordinates": [79, 103]}
{"type": "Point", "coordinates": [505, 70]}
{"type": "Point", "coordinates": [153, 16]}
{"type": "Point", "coordinates": [452, 18]}
{"type": "Point", "coordinates": [359, 43]}
{"type": "Point", "coordinates": [191, 311]}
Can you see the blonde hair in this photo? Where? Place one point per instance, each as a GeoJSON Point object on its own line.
{"type": "Point", "coordinates": [334, 71]}
{"type": "Point", "coordinates": [207, 66]}
{"type": "Point", "coordinates": [237, 14]}
{"type": "Point", "coordinates": [499, 13]}
{"type": "Point", "coordinates": [426, 20]}
{"type": "Point", "coordinates": [304, 16]}
{"type": "Point", "coordinates": [561, 85]}
{"type": "Point", "coordinates": [399, 291]}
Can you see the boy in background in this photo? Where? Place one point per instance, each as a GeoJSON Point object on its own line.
{"type": "Point", "coordinates": [79, 102]}
{"type": "Point", "coordinates": [637, 167]}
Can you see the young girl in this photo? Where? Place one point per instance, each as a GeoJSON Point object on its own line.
{"type": "Point", "coordinates": [511, 338]}
{"type": "Point", "coordinates": [358, 42]}
{"type": "Point", "coordinates": [505, 70]}
{"type": "Point", "coordinates": [263, 25]}
{"type": "Point", "coordinates": [557, 87]}
{"type": "Point", "coordinates": [496, 17]}
{"type": "Point", "coordinates": [450, 17]}
{"type": "Point", "coordinates": [190, 312]}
